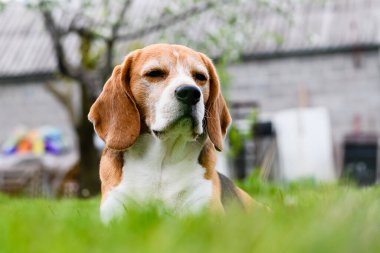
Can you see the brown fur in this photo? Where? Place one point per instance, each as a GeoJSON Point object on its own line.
{"type": "Point", "coordinates": [114, 114]}
{"type": "Point", "coordinates": [110, 169]}
{"type": "Point", "coordinates": [217, 116]}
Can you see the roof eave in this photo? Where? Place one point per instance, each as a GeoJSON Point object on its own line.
{"type": "Point", "coordinates": [364, 47]}
{"type": "Point", "coordinates": [29, 77]}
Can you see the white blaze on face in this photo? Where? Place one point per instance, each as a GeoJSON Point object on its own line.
{"type": "Point", "coordinates": [168, 109]}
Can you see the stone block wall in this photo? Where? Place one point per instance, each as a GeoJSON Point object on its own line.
{"type": "Point", "coordinates": [346, 84]}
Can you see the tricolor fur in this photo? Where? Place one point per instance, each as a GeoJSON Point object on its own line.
{"type": "Point", "coordinates": [157, 146]}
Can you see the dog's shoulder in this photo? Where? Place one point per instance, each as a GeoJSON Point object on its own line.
{"type": "Point", "coordinates": [111, 164]}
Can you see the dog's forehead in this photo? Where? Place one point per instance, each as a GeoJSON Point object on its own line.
{"type": "Point", "coordinates": [169, 55]}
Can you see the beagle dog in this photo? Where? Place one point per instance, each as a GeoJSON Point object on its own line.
{"type": "Point", "coordinates": [162, 115]}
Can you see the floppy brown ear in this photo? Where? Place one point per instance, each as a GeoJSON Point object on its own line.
{"type": "Point", "coordinates": [218, 117]}
{"type": "Point", "coordinates": [114, 114]}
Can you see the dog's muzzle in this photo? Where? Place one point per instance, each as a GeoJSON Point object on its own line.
{"type": "Point", "coordinates": [189, 111]}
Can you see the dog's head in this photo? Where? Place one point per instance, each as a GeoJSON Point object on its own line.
{"type": "Point", "coordinates": [159, 89]}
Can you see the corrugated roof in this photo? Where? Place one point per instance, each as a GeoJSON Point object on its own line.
{"type": "Point", "coordinates": [317, 25]}
{"type": "Point", "coordinates": [308, 25]}
{"type": "Point", "coordinates": [24, 45]}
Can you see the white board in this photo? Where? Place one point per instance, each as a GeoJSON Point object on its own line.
{"type": "Point", "coordinates": [305, 148]}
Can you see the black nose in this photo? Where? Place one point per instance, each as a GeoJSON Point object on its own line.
{"type": "Point", "coordinates": [188, 94]}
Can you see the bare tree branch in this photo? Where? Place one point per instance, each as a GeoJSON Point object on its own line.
{"type": "Point", "coordinates": [180, 17]}
{"type": "Point", "coordinates": [87, 32]}
{"type": "Point", "coordinates": [120, 19]}
{"type": "Point", "coordinates": [82, 30]}
{"type": "Point", "coordinates": [111, 42]}
{"type": "Point", "coordinates": [56, 36]}
{"type": "Point", "coordinates": [160, 25]}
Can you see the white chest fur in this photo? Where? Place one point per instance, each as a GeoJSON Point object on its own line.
{"type": "Point", "coordinates": [167, 171]}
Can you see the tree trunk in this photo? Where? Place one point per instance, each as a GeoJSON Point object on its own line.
{"type": "Point", "coordinates": [89, 155]}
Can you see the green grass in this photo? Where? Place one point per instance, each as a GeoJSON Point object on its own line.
{"type": "Point", "coordinates": [305, 217]}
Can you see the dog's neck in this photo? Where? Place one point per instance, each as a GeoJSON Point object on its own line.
{"type": "Point", "coordinates": [165, 151]}
{"type": "Point", "coordinates": [167, 170]}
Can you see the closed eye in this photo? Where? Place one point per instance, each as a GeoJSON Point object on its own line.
{"type": "Point", "coordinates": [156, 73]}
{"type": "Point", "coordinates": [200, 77]}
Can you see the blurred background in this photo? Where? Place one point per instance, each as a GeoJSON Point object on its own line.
{"type": "Point", "coordinates": [301, 77]}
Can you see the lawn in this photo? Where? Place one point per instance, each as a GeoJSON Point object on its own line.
{"type": "Point", "coordinates": [305, 217]}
